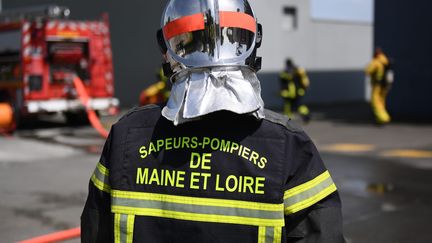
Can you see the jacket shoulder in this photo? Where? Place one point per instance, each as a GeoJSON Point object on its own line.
{"type": "Point", "coordinates": [281, 120]}
{"type": "Point", "coordinates": [138, 112]}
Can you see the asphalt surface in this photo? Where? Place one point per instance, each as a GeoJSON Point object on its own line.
{"type": "Point", "coordinates": [384, 175]}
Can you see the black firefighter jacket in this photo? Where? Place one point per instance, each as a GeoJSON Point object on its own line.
{"type": "Point", "coordinates": [224, 178]}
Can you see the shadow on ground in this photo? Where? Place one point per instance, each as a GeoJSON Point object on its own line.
{"type": "Point", "coordinates": [358, 113]}
{"type": "Point", "coordinates": [45, 122]}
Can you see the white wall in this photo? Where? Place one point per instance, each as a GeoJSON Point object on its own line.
{"type": "Point", "coordinates": [315, 44]}
{"type": "Point", "coordinates": [334, 53]}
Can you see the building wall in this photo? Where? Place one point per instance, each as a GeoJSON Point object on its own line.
{"type": "Point", "coordinates": [403, 31]}
{"type": "Point", "coordinates": [334, 53]}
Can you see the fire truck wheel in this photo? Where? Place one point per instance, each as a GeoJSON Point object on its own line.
{"type": "Point", "coordinates": [77, 118]}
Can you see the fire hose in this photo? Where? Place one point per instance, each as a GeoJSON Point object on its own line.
{"type": "Point", "coordinates": [95, 122]}
{"type": "Point", "coordinates": [7, 120]}
{"type": "Point", "coordinates": [85, 100]}
{"type": "Point", "coordinates": [55, 237]}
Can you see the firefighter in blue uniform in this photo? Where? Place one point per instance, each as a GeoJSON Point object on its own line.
{"type": "Point", "coordinates": [212, 165]}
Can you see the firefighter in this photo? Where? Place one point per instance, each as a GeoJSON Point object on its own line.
{"type": "Point", "coordinates": [381, 76]}
{"type": "Point", "coordinates": [294, 83]}
{"type": "Point", "coordinates": [158, 92]}
{"type": "Point", "coordinates": [212, 165]}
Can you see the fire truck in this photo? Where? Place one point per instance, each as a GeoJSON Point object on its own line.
{"type": "Point", "coordinates": [41, 52]}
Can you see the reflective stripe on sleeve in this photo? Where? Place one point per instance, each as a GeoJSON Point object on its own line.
{"type": "Point", "coordinates": [198, 209]}
{"type": "Point", "coordinates": [309, 193]}
{"type": "Point", "coordinates": [123, 228]}
{"type": "Point", "coordinates": [100, 178]}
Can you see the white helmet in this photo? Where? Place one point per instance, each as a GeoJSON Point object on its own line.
{"type": "Point", "coordinates": [209, 33]}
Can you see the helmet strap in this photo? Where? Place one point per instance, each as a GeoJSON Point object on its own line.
{"type": "Point", "coordinates": [253, 61]}
{"type": "Point", "coordinates": [166, 66]}
{"type": "Point", "coordinates": [161, 41]}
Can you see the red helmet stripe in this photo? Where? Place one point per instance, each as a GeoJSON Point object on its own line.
{"type": "Point", "coordinates": [184, 25]}
{"type": "Point", "coordinates": [238, 20]}
{"type": "Point", "coordinates": [196, 22]}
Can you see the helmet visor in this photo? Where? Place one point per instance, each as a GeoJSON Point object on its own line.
{"type": "Point", "coordinates": [209, 32]}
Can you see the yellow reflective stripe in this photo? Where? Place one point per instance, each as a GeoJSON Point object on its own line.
{"type": "Point", "coordinates": [286, 76]}
{"type": "Point", "coordinates": [123, 228]}
{"type": "Point", "coordinates": [209, 218]}
{"type": "Point", "coordinates": [277, 235]}
{"type": "Point", "coordinates": [197, 209]}
{"type": "Point", "coordinates": [100, 178]}
{"type": "Point", "coordinates": [269, 234]}
{"type": "Point", "coordinates": [102, 169]}
{"type": "Point", "coordinates": [261, 234]}
{"type": "Point", "coordinates": [198, 201]}
{"type": "Point", "coordinates": [311, 201]}
{"type": "Point", "coordinates": [117, 228]}
{"type": "Point", "coordinates": [100, 185]}
{"type": "Point", "coordinates": [291, 90]}
{"type": "Point", "coordinates": [309, 193]}
{"type": "Point", "coordinates": [306, 186]}
{"type": "Point", "coordinates": [304, 110]}
{"type": "Point", "coordinates": [130, 228]}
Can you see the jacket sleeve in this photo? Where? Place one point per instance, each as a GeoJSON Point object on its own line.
{"type": "Point", "coordinates": [311, 202]}
{"type": "Point", "coordinates": [371, 68]}
{"type": "Point", "coordinates": [97, 219]}
{"type": "Point", "coordinates": [304, 79]}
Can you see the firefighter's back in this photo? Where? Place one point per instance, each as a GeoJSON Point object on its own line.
{"type": "Point", "coordinates": [218, 179]}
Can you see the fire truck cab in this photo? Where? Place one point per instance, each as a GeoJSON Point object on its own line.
{"type": "Point", "coordinates": [41, 51]}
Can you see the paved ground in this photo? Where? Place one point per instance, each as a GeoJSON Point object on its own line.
{"type": "Point", "coordinates": [384, 175]}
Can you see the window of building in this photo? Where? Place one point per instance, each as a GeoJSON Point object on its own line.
{"type": "Point", "coordinates": [290, 18]}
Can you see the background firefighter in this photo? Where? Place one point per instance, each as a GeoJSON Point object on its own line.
{"type": "Point", "coordinates": [294, 83]}
{"type": "Point", "coordinates": [158, 92]}
{"type": "Point", "coordinates": [381, 76]}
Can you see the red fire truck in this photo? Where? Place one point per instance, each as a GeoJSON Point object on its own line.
{"type": "Point", "coordinates": [41, 51]}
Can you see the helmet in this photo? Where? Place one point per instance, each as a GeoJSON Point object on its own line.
{"type": "Point", "coordinates": [209, 33]}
